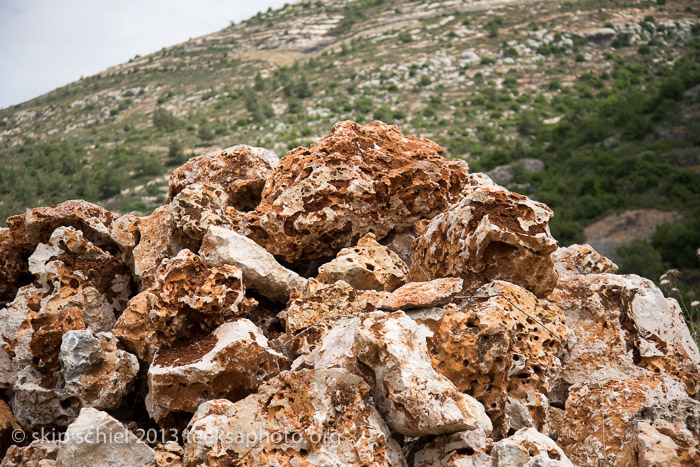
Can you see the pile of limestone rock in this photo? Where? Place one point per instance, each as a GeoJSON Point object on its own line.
{"type": "Point", "coordinates": [363, 301]}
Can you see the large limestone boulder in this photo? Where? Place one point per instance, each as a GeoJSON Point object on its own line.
{"type": "Point", "coordinates": [307, 417]}
{"type": "Point", "coordinates": [413, 398]}
{"type": "Point", "coordinates": [491, 233]}
{"type": "Point", "coordinates": [505, 349]}
{"type": "Point", "coordinates": [356, 180]}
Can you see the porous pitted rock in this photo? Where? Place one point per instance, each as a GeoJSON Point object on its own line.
{"type": "Point", "coordinates": [666, 433]}
{"type": "Point", "coordinates": [26, 231]}
{"type": "Point", "coordinates": [528, 448]}
{"type": "Point", "coordinates": [8, 424]}
{"type": "Point", "coordinates": [307, 417]}
{"type": "Point", "coordinates": [261, 270]}
{"type": "Point", "coordinates": [32, 455]}
{"type": "Point", "coordinates": [622, 325]}
{"type": "Point", "coordinates": [77, 285]}
{"type": "Point", "coordinates": [578, 260]}
{"type": "Point", "coordinates": [417, 295]}
{"type": "Point", "coordinates": [240, 171]}
{"type": "Point", "coordinates": [414, 399]}
{"type": "Point", "coordinates": [356, 180]}
{"type": "Point", "coordinates": [94, 370]}
{"type": "Point", "coordinates": [597, 415]}
{"type": "Point", "coordinates": [320, 301]}
{"type": "Point", "coordinates": [187, 299]}
{"type": "Point", "coordinates": [198, 207]}
{"type": "Point", "coordinates": [367, 266]}
{"type": "Point", "coordinates": [491, 233]}
{"type": "Point", "coordinates": [169, 454]}
{"type": "Point", "coordinates": [94, 373]}
{"type": "Point", "coordinates": [463, 449]}
{"type": "Point", "coordinates": [229, 363]}
{"type": "Point", "coordinates": [96, 439]}
{"type": "Point", "coordinates": [148, 241]}
{"type": "Point", "coordinates": [507, 343]}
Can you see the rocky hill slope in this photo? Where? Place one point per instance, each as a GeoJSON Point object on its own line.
{"type": "Point", "coordinates": [362, 301]}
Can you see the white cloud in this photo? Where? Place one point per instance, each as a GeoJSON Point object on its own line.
{"type": "Point", "coordinates": [45, 44]}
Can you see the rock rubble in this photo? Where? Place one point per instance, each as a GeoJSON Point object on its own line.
{"type": "Point", "coordinates": [363, 301]}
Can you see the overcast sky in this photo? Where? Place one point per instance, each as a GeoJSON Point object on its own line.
{"type": "Point", "coordinates": [45, 44]}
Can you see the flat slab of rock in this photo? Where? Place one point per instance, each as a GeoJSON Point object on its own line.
{"type": "Point", "coordinates": [261, 270]}
{"type": "Point", "coordinates": [414, 399]}
{"type": "Point", "coordinates": [491, 233]}
{"type": "Point", "coordinates": [417, 295]}
{"type": "Point", "coordinates": [307, 417]}
{"type": "Point", "coordinates": [229, 363]}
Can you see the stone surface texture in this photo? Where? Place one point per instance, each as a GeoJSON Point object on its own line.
{"type": "Point", "coordinates": [414, 399]}
{"type": "Point", "coordinates": [367, 266]}
{"type": "Point", "coordinates": [228, 364]}
{"type": "Point", "coordinates": [307, 417]}
{"type": "Point", "coordinates": [188, 298]}
{"type": "Point", "coordinates": [261, 270]}
{"type": "Point", "coordinates": [491, 233]}
{"type": "Point", "coordinates": [356, 180]}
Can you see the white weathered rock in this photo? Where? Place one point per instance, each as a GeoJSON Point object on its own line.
{"type": "Point", "coordinates": [94, 373]}
{"type": "Point", "coordinates": [96, 439]}
{"type": "Point", "coordinates": [198, 207]}
{"type": "Point", "coordinates": [307, 417]}
{"type": "Point", "coordinates": [261, 270]}
{"type": "Point", "coordinates": [414, 399]}
{"type": "Point", "coordinates": [528, 447]}
{"type": "Point", "coordinates": [335, 349]}
{"type": "Point", "coordinates": [230, 363]}
{"type": "Point", "coordinates": [463, 449]}
{"type": "Point", "coordinates": [367, 266]}
{"type": "Point", "coordinates": [94, 370]}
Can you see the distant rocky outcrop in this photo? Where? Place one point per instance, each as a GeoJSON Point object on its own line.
{"type": "Point", "coordinates": [363, 301]}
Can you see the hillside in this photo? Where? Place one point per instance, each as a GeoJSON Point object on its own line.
{"type": "Point", "coordinates": [604, 94]}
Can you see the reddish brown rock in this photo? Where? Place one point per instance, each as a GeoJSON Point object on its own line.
{"type": "Point", "coordinates": [187, 299]}
{"type": "Point", "coordinates": [240, 171]}
{"type": "Point", "coordinates": [507, 344]}
{"type": "Point", "coordinates": [230, 364]}
{"type": "Point", "coordinates": [8, 424]}
{"type": "Point", "coordinates": [46, 341]}
{"type": "Point", "coordinates": [491, 233]}
{"type": "Point", "coordinates": [356, 180]}
{"type": "Point", "coordinates": [416, 295]}
{"type": "Point", "coordinates": [148, 241]}
{"type": "Point", "coordinates": [366, 266]}
{"type": "Point", "coordinates": [39, 453]}
{"type": "Point", "coordinates": [308, 417]}
{"type": "Point", "coordinates": [26, 231]}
